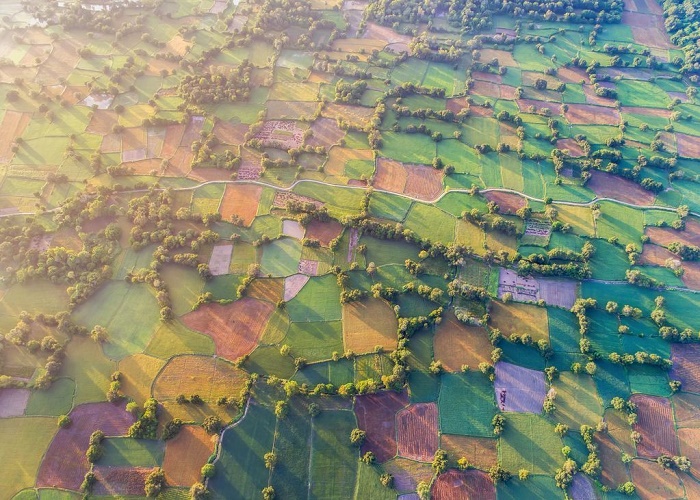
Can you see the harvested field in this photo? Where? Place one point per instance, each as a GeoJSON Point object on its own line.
{"type": "Point", "coordinates": [606, 185]}
{"type": "Point", "coordinates": [482, 453]}
{"type": "Point", "coordinates": [207, 376]}
{"type": "Point", "coordinates": [558, 292]}
{"type": "Point", "coordinates": [230, 133]}
{"type": "Point", "coordinates": [102, 122]}
{"type": "Point", "coordinates": [456, 104]}
{"type": "Point", "coordinates": [653, 481]}
{"type": "Point", "coordinates": [13, 125]}
{"type": "Point", "coordinates": [655, 424]}
{"type": "Point", "coordinates": [64, 464]}
{"type": "Point", "coordinates": [594, 99]}
{"type": "Point", "coordinates": [687, 409]}
{"type": "Point", "coordinates": [356, 116]}
{"type": "Point", "coordinates": [220, 259]}
{"type": "Point", "coordinates": [185, 454]}
{"type": "Point", "coordinates": [235, 328]}
{"type": "Point", "coordinates": [173, 138]}
{"type": "Point", "coordinates": [267, 289]}
{"type": "Point", "coordinates": [138, 372]}
{"type": "Point", "coordinates": [282, 197]}
{"type": "Point", "coordinates": [572, 146]}
{"type": "Point", "coordinates": [13, 402]}
{"type": "Point", "coordinates": [583, 114]}
{"type": "Point", "coordinates": [463, 485]}
{"type": "Point", "coordinates": [376, 415]}
{"type": "Point", "coordinates": [280, 134]}
{"type": "Point", "coordinates": [111, 143]}
{"type": "Point", "coordinates": [691, 276]}
{"type": "Point", "coordinates": [291, 110]}
{"type": "Point", "coordinates": [292, 229]}
{"type": "Point", "coordinates": [325, 133]}
{"type": "Point", "coordinates": [665, 235]}
{"type": "Point", "coordinates": [571, 74]}
{"type": "Point", "coordinates": [378, 34]}
{"type": "Point", "coordinates": [486, 89]}
{"type": "Point", "coordinates": [689, 439]}
{"type": "Point", "coordinates": [324, 231]}
{"type": "Point", "coordinates": [533, 105]}
{"type": "Point", "coordinates": [308, 267]}
{"type": "Point", "coordinates": [424, 183]}
{"type": "Point", "coordinates": [367, 324]}
{"type": "Point", "coordinates": [508, 202]}
{"type": "Point", "coordinates": [519, 389]}
{"type": "Point", "coordinates": [487, 77]}
{"type": "Point", "coordinates": [417, 431]}
{"type": "Point", "coordinates": [457, 344]}
{"type": "Point", "coordinates": [115, 481]}
{"type": "Point", "coordinates": [522, 289]}
{"type": "Point", "coordinates": [293, 284]}
{"type": "Point", "coordinates": [390, 175]}
{"type": "Point", "coordinates": [685, 366]}
{"type": "Point", "coordinates": [339, 157]}
{"type": "Point", "coordinates": [240, 200]}
{"type": "Point", "coordinates": [520, 318]}
{"type": "Point", "coordinates": [408, 473]}
{"type": "Point", "coordinates": [191, 132]}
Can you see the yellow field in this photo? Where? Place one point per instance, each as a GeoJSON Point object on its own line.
{"type": "Point", "coordinates": [368, 324]}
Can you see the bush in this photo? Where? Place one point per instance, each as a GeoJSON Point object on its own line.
{"type": "Point", "coordinates": [154, 482]}
{"type": "Point", "coordinates": [64, 421]}
{"type": "Point", "coordinates": [212, 424]}
{"type": "Point", "coordinates": [357, 437]}
{"type": "Point", "coordinates": [208, 470]}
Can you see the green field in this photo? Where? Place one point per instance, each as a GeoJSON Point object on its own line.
{"type": "Point", "coordinates": [466, 405]}
{"type": "Point", "coordinates": [317, 301]}
{"type": "Point", "coordinates": [529, 442]}
{"type": "Point", "coordinates": [334, 462]}
{"type": "Point", "coordinates": [123, 452]}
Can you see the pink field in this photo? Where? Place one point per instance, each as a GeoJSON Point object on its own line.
{"type": "Point", "coordinates": [464, 485]}
{"type": "Point", "coordinates": [418, 431]}
{"type": "Point", "coordinates": [685, 366]}
{"type": "Point", "coordinates": [655, 424]}
{"type": "Point", "coordinates": [376, 415]}
{"type": "Point", "coordinates": [519, 389]}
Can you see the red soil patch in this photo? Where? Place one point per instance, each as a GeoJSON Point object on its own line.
{"type": "Point", "coordinates": [173, 136]}
{"type": "Point", "coordinates": [229, 133]}
{"type": "Point", "coordinates": [325, 133]}
{"type": "Point", "coordinates": [64, 464]}
{"type": "Point", "coordinates": [587, 113]}
{"type": "Point", "coordinates": [614, 472]}
{"type": "Point", "coordinates": [463, 485]}
{"type": "Point", "coordinates": [354, 115]}
{"type": "Point", "coordinates": [384, 33]}
{"type": "Point", "coordinates": [487, 89]}
{"type": "Point", "coordinates": [507, 92]}
{"type": "Point", "coordinates": [654, 482]}
{"type": "Point", "coordinates": [509, 202]}
{"type": "Point", "coordinates": [424, 183]}
{"type": "Point", "coordinates": [655, 424]}
{"type": "Point", "coordinates": [134, 138]}
{"type": "Point", "coordinates": [657, 112]}
{"type": "Point", "coordinates": [102, 122]}
{"type": "Point", "coordinates": [481, 452]}
{"type": "Point", "coordinates": [487, 77]}
{"type": "Point", "coordinates": [482, 111]}
{"type": "Point", "coordinates": [456, 104]}
{"type": "Point", "coordinates": [12, 126]}
{"type": "Point", "coordinates": [324, 231]}
{"type": "Point", "coordinates": [209, 174]}
{"type": "Point", "coordinates": [235, 328]}
{"type": "Point", "coordinates": [376, 415]}
{"type": "Point", "coordinates": [269, 289]}
{"type": "Point", "coordinates": [390, 175]}
{"type": "Point", "coordinates": [665, 235]}
{"type": "Point", "coordinates": [504, 58]}
{"type": "Point", "coordinates": [654, 255]}
{"type": "Point", "coordinates": [593, 98]}
{"type": "Point", "coordinates": [241, 200]}
{"type": "Point", "coordinates": [691, 275]}
{"type": "Point", "coordinates": [685, 366]}
{"type": "Point", "coordinates": [571, 75]}
{"type": "Point", "coordinates": [574, 149]}
{"type": "Point", "coordinates": [114, 481]}
{"type": "Point", "coordinates": [418, 431]}
{"type": "Point", "coordinates": [457, 344]}
{"type": "Point", "coordinates": [606, 185]}
{"type": "Point", "coordinates": [192, 131]}
{"type": "Point", "coordinates": [533, 105]}
{"type": "Point", "coordinates": [145, 167]}
{"type": "Point", "coordinates": [185, 455]}
{"type": "Point", "coordinates": [688, 145]}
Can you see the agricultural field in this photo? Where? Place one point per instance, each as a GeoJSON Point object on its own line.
{"type": "Point", "coordinates": [348, 250]}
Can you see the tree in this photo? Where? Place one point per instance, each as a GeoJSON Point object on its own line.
{"type": "Point", "coordinates": [212, 424]}
{"type": "Point", "coordinates": [208, 470]}
{"type": "Point", "coordinates": [498, 474]}
{"type": "Point", "coordinates": [268, 493]}
{"type": "Point", "coordinates": [270, 460]}
{"type": "Point", "coordinates": [198, 492]}
{"type": "Point", "coordinates": [357, 437]}
{"type": "Point", "coordinates": [64, 421]}
{"type": "Point", "coordinates": [439, 461]}
{"type": "Point", "coordinates": [627, 488]}
{"type": "Point", "coordinates": [423, 490]}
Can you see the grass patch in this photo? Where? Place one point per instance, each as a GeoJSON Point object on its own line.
{"type": "Point", "coordinates": [281, 257]}
{"type": "Point", "coordinates": [319, 300]}
{"type": "Point", "coordinates": [529, 442]}
{"type": "Point", "coordinates": [315, 341]}
{"type": "Point", "coordinates": [54, 401]}
{"type": "Point", "coordinates": [128, 452]}
{"type": "Point", "coordinates": [466, 405]}
{"type": "Point", "coordinates": [87, 365]}
{"type": "Point", "coordinates": [430, 222]}
{"type": "Point", "coordinates": [334, 461]}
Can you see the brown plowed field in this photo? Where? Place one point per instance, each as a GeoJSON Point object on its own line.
{"type": "Point", "coordinates": [481, 452]}
{"type": "Point", "coordinates": [691, 275]}
{"type": "Point", "coordinates": [269, 289]}
{"type": "Point", "coordinates": [687, 409]}
{"type": "Point", "coordinates": [612, 186]}
{"type": "Point", "coordinates": [689, 440]}
{"type": "Point", "coordinates": [338, 158]}
{"type": "Point", "coordinates": [390, 175]}
{"type": "Point", "coordinates": [456, 104]}
{"type": "Point", "coordinates": [571, 74]}
{"type": "Point", "coordinates": [355, 115]}
{"type": "Point", "coordinates": [614, 472]}
{"type": "Point", "coordinates": [457, 344]}
{"type": "Point", "coordinates": [241, 200]}
{"type": "Point", "coordinates": [463, 485]}
{"type": "Point", "coordinates": [229, 133]}
{"type": "Point", "coordinates": [367, 324]}
{"type": "Point", "coordinates": [587, 113]}
{"type": "Point", "coordinates": [207, 376]}
{"type": "Point", "coordinates": [376, 415]}
{"type": "Point", "coordinates": [102, 122]}
{"type": "Point", "coordinates": [487, 89]}
{"type": "Point", "coordinates": [115, 481]}
{"type": "Point", "coordinates": [685, 366]}
{"type": "Point", "coordinates": [688, 145]}
{"type": "Point", "coordinates": [657, 112]}
{"type": "Point", "coordinates": [509, 202]}
{"type": "Point", "coordinates": [235, 328]}
{"type": "Point", "coordinates": [325, 133]}
{"type": "Point", "coordinates": [173, 136]}
{"type": "Point", "coordinates": [665, 235]}
{"type": "Point", "coordinates": [574, 149]}
{"type": "Point", "coordinates": [593, 98]}
{"type": "Point", "coordinates": [424, 183]}
{"type": "Point", "coordinates": [324, 231]}
{"type": "Point", "coordinates": [655, 255]}
{"type": "Point", "coordinates": [185, 454]}
{"type": "Point", "coordinates": [417, 430]}
{"type": "Point", "coordinates": [654, 482]}
{"type": "Point", "coordinates": [655, 424]}
{"type": "Point", "coordinates": [64, 464]}
{"type": "Point", "coordinates": [13, 125]}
